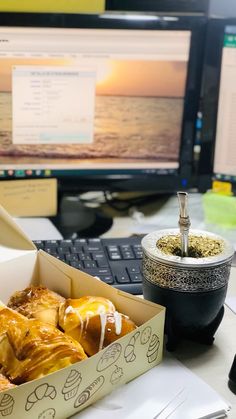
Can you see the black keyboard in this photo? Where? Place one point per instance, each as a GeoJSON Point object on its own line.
{"type": "Point", "coordinates": [115, 261]}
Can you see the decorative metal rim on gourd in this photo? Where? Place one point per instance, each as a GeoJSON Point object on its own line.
{"type": "Point", "coordinates": [150, 249]}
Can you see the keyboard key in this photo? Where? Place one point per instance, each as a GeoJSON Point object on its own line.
{"type": "Point", "coordinates": [126, 248]}
{"type": "Point", "coordinates": [133, 269]}
{"type": "Point", "coordinates": [71, 257]}
{"type": "Point", "coordinates": [135, 277]}
{"type": "Point", "coordinates": [98, 255]}
{"type": "Point", "coordinates": [63, 250]}
{"type": "Point", "coordinates": [91, 248]}
{"type": "Point", "coordinates": [66, 243]}
{"type": "Point", "coordinates": [77, 265]}
{"type": "Point", "coordinates": [89, 264]}
{"type": "Point", "coordinates": [107, 279]}
{"type": "Point", "coordinates": [51, 251]}
{"type": "Point", "coordinates": [51, 243]}
{"type": "Point", "coordinates": [80, 241]}
{"type": "Point", "coordinates": [102, 262]}
{"type": "Point", "coordinates": [60, 257]}
{"type": "Point", "coordinates": [113, 248]}
{"type": "Point", "coordinates": [84, 256]}
{"type": "Point", "coordinates": [104, 271]}
{"type": "Point", "coordinates": [115, 256]}
{"type": "Point", "coordinates": [138, 254]}
{"type": "Point", "coordinates": [93, 241]}
{"type": "Point", "coordinates": [114, 252]}
{"type": "Point", "coordinates": [128, 255]}
{"type": "Point", "coordinates": [77, 249]}
{"type": "Point", "coordinates": [122, 278]}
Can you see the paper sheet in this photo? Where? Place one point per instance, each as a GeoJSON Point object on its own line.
{"type": "Point", "coordinates": [168, 390]}
{"type": "Point", "coordinates": [38, 228]}
{"type": "Point", "coordinates": [29, 197]}
{"type": "Point", "coordinates": [231, 303]}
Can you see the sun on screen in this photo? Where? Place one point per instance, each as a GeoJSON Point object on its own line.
{"type": "Point", "coordinates": [103, 72]}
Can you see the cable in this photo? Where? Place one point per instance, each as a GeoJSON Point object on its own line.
{"type": "Point", "coordinates": [125, 205]}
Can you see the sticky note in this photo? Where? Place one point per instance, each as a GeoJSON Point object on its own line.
{"type": "Point", "coordinates": [224, 188]}
{"type": "Point", "coordinates": [65, 6]}
{"type": "Point", "coordinates": [29, 198]}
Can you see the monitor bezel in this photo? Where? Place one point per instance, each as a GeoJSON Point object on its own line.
{"type": "Point", "coordinates": [133, 180]}
{"type": "Point", "coordinates": [166, 6]}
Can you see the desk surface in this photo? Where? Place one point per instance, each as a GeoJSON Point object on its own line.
{"type": "Point", "coordinates": [213, 363]}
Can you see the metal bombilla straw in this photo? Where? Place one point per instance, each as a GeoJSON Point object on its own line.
{"type": "Point", "coordinates": [184, 222]}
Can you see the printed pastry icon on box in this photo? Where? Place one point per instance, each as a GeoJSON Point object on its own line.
{"type": "Point", "coordinates": [71, 386]}
{"type": "Point", "coordinates": [6, 404]}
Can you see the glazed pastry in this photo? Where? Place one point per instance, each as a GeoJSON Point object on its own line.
{"type": "Point", "coordinates": [75, 313]}
{"type": "Point", "coordinates": [37, 302]}
{"type": "Point", "coordinates": [30, 349]}
{"type": "Point", "coordinates": [103, 329]}
{"type": "Point", "coordinates": [94, 322]}
{"type": "Point", "coordinates": [90, 320]}
{"type": "Point", "coordinates": [5, 384]}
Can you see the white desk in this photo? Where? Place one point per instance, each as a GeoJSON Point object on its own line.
{"type": "Point", "coordinates": [213, 363]}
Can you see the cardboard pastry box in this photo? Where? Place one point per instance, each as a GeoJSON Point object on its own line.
{"type": "Point", "coordinates": [69, 390]}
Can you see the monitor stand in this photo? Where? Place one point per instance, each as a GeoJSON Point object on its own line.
{"type": "Point", "coordinates": [75, 219]}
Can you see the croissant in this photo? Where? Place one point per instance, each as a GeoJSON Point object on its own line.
{"type": "Point", "coordinates": [30, 349]}
{"type": "Point", "coordinates": [94, 322]}
{"type": "Point", "coordinates": [5, 384]}
{"type": "Point", "coordinates": [37, 302]}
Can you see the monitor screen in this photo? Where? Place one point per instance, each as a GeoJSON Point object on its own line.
{"type": "Point", "coordinates": [225, 147]}
{"type": "Point", "coordinates": [99, 99]}
{"type": "Point", "coordinates": [219, 101]}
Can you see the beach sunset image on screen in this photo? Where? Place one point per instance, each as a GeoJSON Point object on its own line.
{"type": "Point", "coordinates": [117, 102]}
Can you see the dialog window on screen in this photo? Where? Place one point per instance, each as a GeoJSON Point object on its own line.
{"type": "Point", "coordinates": [47, 106]}
{"type": "Point", "coordinates": [76, 97]}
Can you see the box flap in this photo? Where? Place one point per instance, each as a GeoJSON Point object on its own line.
{"type": "Point", "coordinates": [11, 235]}
{"type": "Point", "coordinates": [17, 274]}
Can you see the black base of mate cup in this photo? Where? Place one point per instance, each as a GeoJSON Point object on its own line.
{"type": "Point", "coordinates": [193, 290]}
{"type": "Point", "coordinates": [232, 377]}
{"type": "Point", "coordinates": [193, 316]}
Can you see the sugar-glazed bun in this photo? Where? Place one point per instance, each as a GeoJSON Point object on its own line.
{"type": "Point", "coordinates": [94, 322]}
{"type": "Point", "coordinates": [103, 329]}
{"type": "Point", "coordinates": [74, 314]}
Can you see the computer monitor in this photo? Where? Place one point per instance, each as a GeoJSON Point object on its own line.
{"type": "Point", "coordinates": [218, 150]}
{"type": "Point", "coordinates": [101, 102]}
